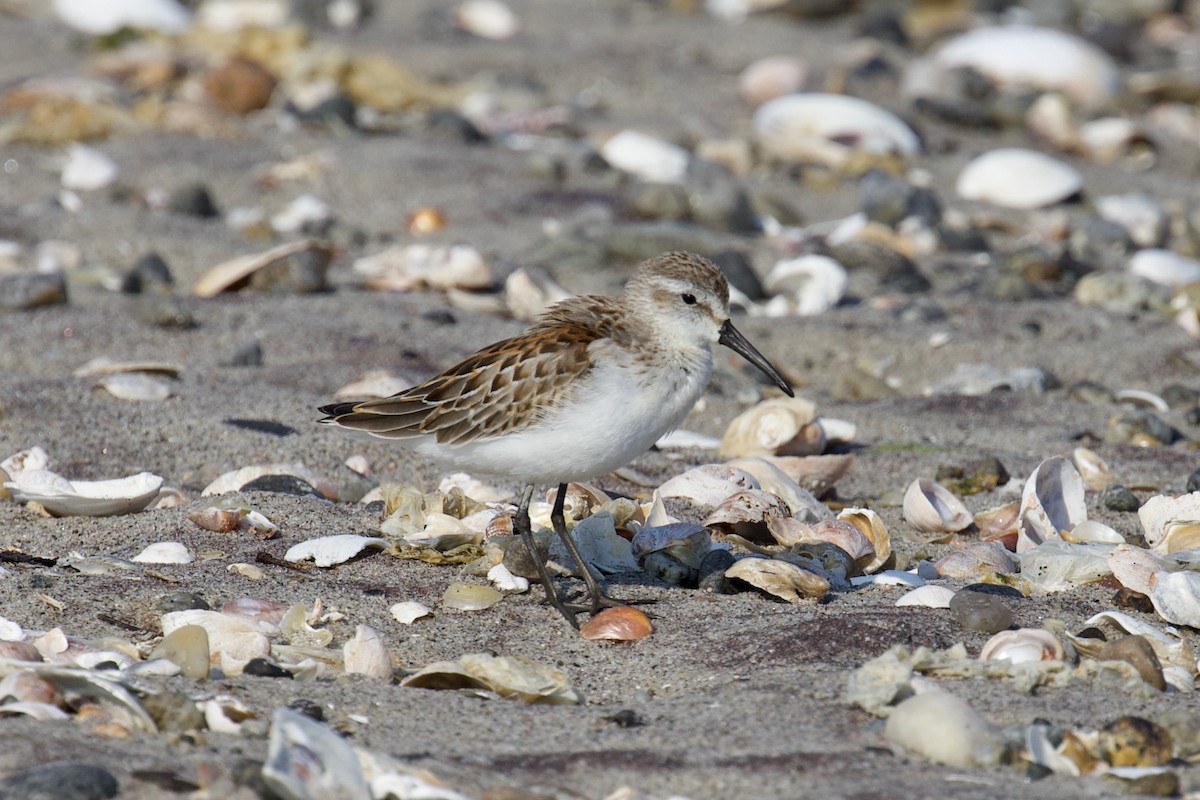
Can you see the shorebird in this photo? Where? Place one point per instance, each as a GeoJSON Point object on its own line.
{"type": "Point", "coordinates": [592, 385]}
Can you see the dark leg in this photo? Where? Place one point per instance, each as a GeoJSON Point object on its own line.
{"type": "Point", "coordinates": [524, 529]}
{"type": "Point", "coordinates": [558, 519]}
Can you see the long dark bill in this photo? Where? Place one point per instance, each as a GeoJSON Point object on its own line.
{"type": "Point", "coordinates": [733, 339]}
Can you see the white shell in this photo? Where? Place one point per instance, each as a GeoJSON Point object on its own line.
{"type": "Point", "coordinates": [646, 157]}
{"type": "Point", "coordinates": [136, 386]}
{"type": "Point", "coordinates": [409, 611]}
{"type": "Point", "coordinates": [1056, 566]}
{"type": "Point", "coordinates": [975, 560]}
{"type": "Point", "coordinates": [708, 484]}
{"type": "Point", "coordinates": [929, 596]}
{"type": "Point", "coordinates": [1093, 470]}
{"type": "Point", "coordinates": [102, 365]}
{"type": "Point", "coordinates": [776, 426]}
{"type": "Point", "coordinates": [232, 640]}
{"type": "Point", "coordinates": [366, 654]}
{"type": "Point", "coordinates": [1093, 531]}
{"type": "Point", "coordinates": [234, 15]}
{"type": "Point", "coordinates": [1013, 177]}
{"type": "Point", "coordinates": [1142, 397]}
{"type": "Point", "coordinates": [87, 169]}
{"type": "Point", "coordinates": [305, 210]}
{"type": "Point", "coordinates": [294, 769]}
{"type": "Point", "coordinates": [873, 527]}
{"type": "Point", "coordinates": [228, 274]}
{"type": "Point", "coordinates": [1135, 567]}
{"type": "Point", "coordinates": [1168, 522]}
{"type": "Point", "coordinates": [1052, 501]}
{"type": "Point", "coordinates": [931, 507]}
{"type": "Point", "coordinates": [234, 480]}
{"type": "Point", "coordinates": [503, 579]}
{"type": "Point", "coordinates": [1020, 56]}
{"type": "Point", "coordinates": [1176, 597]}
{"type": "Point", "coordinates": [812, 284]}
{"type": "Point", "coordinates": [1165, 267]}
{"type": "Point", "coordinates": [32, 459]}
{"type": "Point", "coordinates": [373, 383]}
{"type": "Point", "coordinates": [165, 553]}
{"type": "Point", "coordinates": [84, 498]}
{"type": "Point", "coordinates": [487, 19]}
{"type": "Point", "coordinates": [771, 77]}
{"type": "Point", "coordinates": [99, 19]}
{"type": "Point", "coordinates": [945, 729]}
{"type": "Point", "coordinates": [329, 550]}
{"type": "Point", "coordinates": [406, 268]}
{"type": "Point", "coordinates": [529, 293]}
{"type": "Point", "coordinates": [816, 126]}
{"type": "Point", "coordinates": [889, 577]}
{"type": "Point", "coordinates": [1141, 215]}
{"type": "Point", "coordinates": [440, 531]}
{"type": "Point", "coordinates": [1021, 646]}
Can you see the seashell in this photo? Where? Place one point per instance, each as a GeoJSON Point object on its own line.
{"type": "Point", "coordinates": [409, 611]}
{"type": "Point", "coordinates": [65, 498]}
{"type": "Point", "coordinates": [1094, 532]}
{"type": "Point", "coordinates": [800, 499]}
{"type": "Point", "coordinates": [999, 524]}
{"type": "Point", "coordinates": [251, 572]}
{"type": "Point", "coordinates": [107, 366]}
{"type": "Point", "coordinates": [235, 480]}
{"type": "Point", "coordinates": [872, 526]}
{"type": "Point", "coordinates": [528, 293]}
{"type": "Point", "coordinates": [888, 577]}
{"type": "Point", "coordinates": [1141, 397]}
{"type": "Point", "coordinates": [812, 284]}
{"type": "Point", "coordinates": [373, 383]}
{"type": "Point", "coordinates": [87, 169]}
{"type": "Point", "coordinates": [945, 729]}
{"type": "Point", "coordinates": [305, 212]}
{"type": "Point", "coordinates": [487, 19]}
{"type": "Point", "coordinates": [582, 499]}
{"type": "Point", "coordinates": [1164, 267]}
{"type": "Point", "coordinates": [470, 596]}
{"type": "Point", "coordinates": [10, 631]}
{"type": "Point", "coordinates": [165, 553]}
{"type": "Point", "coordinates": [505, 581]}
{"type": "Point", "coordinates": [358, 463]}
{"type": "Point", "coordinates": [747, 514]}
{"type": "Point", "coordinates": [329, 550]}
{"type": "Point", "coordinates": [1021, 646]}
{"type": "Point", "coordinates": [299, 631]}
{"type": "Point", "coordinates": [781, 579]}
{"type": "Point", "coordinates": [263, 268]}
{"type": "Point", "coordinates": [232, 641]}
{"type": "Point", "coordinates": [35, 458]}
{"type": "Point", "coordinates": [1141, 215]}
{"type": "Point", "coordinates": [520, 678]}
{"type": "Point", "coordinates": [778, 426]}
{"type": "Point", "coordinates": [267, 615]}
{"type": "Point", "coordinates": [229, 16]}
{"type": "Point", "coordinates": [929, 596]}
{"type": "Point", "coordinates": [1111, 138]}
{"type": "Point", "coordinates": [102, 19]}
{"type": "Point", "coordinates": [217, 520]}
{"type": "Point", "coordinates": [600, 545]}
{"type": "Point", "coordinates": [815, 474]}
{"type": "Point", "coordinates": [1170, 523]}
{"type": "Point", "coordinates": [186, 647]}
{"type": "Point", "coordinates": [1051, 502]}
{"type": "Point", "coordinates": [828, 128]}
{"type": "Point", "coordinates": [707, 485]}
{"type": "Point", "coordinates": [932, 508]}
{"type": "Point", "coordinates": [19, 651]}
{"type": "Point", "coordinates": [366, 654]}
{"type": "Point", "coordinates": [1020, 56]}
{"type": "Point", "coordinates": [1135, 567]}
{"type": "Point", "coordinates": [38, 711]}
{"type": "Point", "coordinates": [440, 532]}
{"type": "Point", "coordinates": [135, 386]}
{"type": "Point", "coordinates": [771, 77]}
{"type": "Point", "coordinates": [1171, 649]}
{"type": "Point", "coordinates": [975, 560]}
{"type": "Point", "coordinates": [29, 687]}
{"type": "Point", "coordinates": [1176, 597]}
{"type": "Point", "coordinates": [620, 624]}
{"type": "Point", "coordinates": [645, 157]}
{"type": "Point", "coordinates": [1056, 566]}
{"type": "Point", "coordinates": [307, 759]}
{"type": "Point", "coordinates": [1014, 177]}
{"type": "Point", "coordinates": [408, 268]}
{"type": "Point", "coordinates": [225, 714]}
{"type": "Point", "coordinates": [1093, 470]}
{"type": "Point", "coordinates": [685, 541]}
{"type": "Point", "coordinates": [106, 694]}
{"type": "Point", "coordinates": [844, 535]}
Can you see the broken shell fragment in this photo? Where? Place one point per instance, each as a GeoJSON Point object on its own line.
{"type": "Point", "coordinates": [777, 426]}
{"type": "Point", "coordinates": [408, 611]}
{"type": "Point", "coordinates": [135, 386]}
{"type": "Point", "coordinates": [1052, 502]}
{"type": "Point", "coordinates": [686, 541]}
{"type": "Point", "coordinates": [307, 759]}
{"type": "Point", "coordinates": [1021, 646]}
{"type": "Point", "coordinates": [300, 264]}
{"type": "Point", "coordinates": [329, 550]}
{"type": "Point", "coordinates": [622, 624]}
{"type": "Point", "coordinates": [944, 728]}
{"type": "Point", "coordinates": [233, 641]}
{"type": "Point", "coordinates": [930, 596]}
{"type": "Point", "coordinates": [470, 596]}
{"type": "Point", "coordinates": [708, 484]}
{"type": "Point", "coordinates": [217, 520]}
{"type": "Point", "coordinates": [975, 560]}
{"type": "Point", "coordinates": [932, 508]}
{"type": "Point", "coordinates": [1093, 469]}
{"type": "Point", "coordinates": [873, 527]}
{"type": "Point", "coordinates": [366, 654]}
{"type": "Point", "coordinates": [506, 676]}
{"type": "Point", "coordinates": [407, 268]}
{"type": "Point", "coordinates": [1171, 524]}
{"type": "Point", "coordinates": [64, 498]}
{"type": "Point", "coordinates": [1176, 597]}
{"type": "Point", "coordinates": [165, 553]}
{"type": "Point", "coordinates": [781, 579]}
{"type": "Point", "coordinates": [747, 514]}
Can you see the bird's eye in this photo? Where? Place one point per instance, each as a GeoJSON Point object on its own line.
{"type": "Point", "coordinates": [690, 299]}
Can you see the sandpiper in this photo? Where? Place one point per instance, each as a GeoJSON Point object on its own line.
{"type": "Point", "coordinates": [592, 385]}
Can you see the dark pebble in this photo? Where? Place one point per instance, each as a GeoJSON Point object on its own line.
{"type": "Point", "coordinates": [337, 109]}
{"type": "Point", "coordinates": [717, 200]}
{"type": "Point", "coordinates": [1118, 498]}
{"type": "Point", "coordinates": [249, 354]}
{"type": "Point", "coordinates": [281, 484]}
{"type": "Point", "coordinates": [149, 273]}
{"type": "Point", "coordinates": [1177, 395]}
{"type": "Point", "coordinates": [308, 708]}
{"type": "Point", "coordinates": [1136, 651]}
{"type": "Point", "coordinates": [1130, 600]}
{"type": "Point", "coordinates": [892, 271]}
{"type": "Point", "coordinates": [182, 601]}
{"type": "Point", "coordinates": [1193, 482]}
{"type": "Point", "coordinates": [262, 668]}
{"type": "Point", "coordinates": [1100, 243]}
{"type": "Point", "coordinates": [62, 781]}
{"type": "Point", "coordinates": [712, 572]}
{"type": "Point", "coordinates": [885, 199]}
{"type": "Point", "coordinates": [454, 127]}
{"type": "Point", "coordinates": [25, 290]}
{"type": "Point", "coordinates": [980, 612]}
{"type": "Point", "coordinates": [164, 311]}
{"type": "Point", "coordinates": [1137, 423]}
{"type": "Point", "coordinates": [268, 426]}
{"type": "Point", "coordinates": [627, 718]}
{"type": "Point", "coordinates": [655, 200]}
{"type": "Point", "coordinates": [670, 570]}
{"type": "Point", "coordinates": [1192, 416]}
{"type": "Point", "coordinates": [193, 200]}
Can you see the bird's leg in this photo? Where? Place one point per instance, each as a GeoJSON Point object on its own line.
{"type": "Point", "coordinates": [524, 529]}
{"type": "Point", "coordinates": [557, 518]}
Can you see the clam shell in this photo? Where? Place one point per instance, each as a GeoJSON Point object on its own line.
{"type": "Point", "coordinates": [217, 520]}
{"type": "Point", "coordinates": [107, 366]}
{"type": "Point", "coordinates": [747, 514]}
{"type": "Point", "coordinates": [771, 77]}
{"type": "Point", "coordinates": [708, 484]}
{"type": "Point", "coordinates": [84, 498]}
{"type": "Point", "coordinates": [929, 596]}
{"type": "Point", "coordinates": [1021, 646]}
{"type": "Point", "coordinates": [1176, 597]}
{"type": "Point", "coordinates": [407, 268]}
{"type": "Point", "coordinates": [778, 426]}
{"type": "Point", "coordinates": [373, 383]}
{"type": "Point", "coordinates": [1056, 566]}
{"type": "Point", "coordinates": [236, 479]}
{"type": "Point", "coordinates": [622, 624]}
{"type": "Point", "coordinates": [816, 474]}
{"type": "Point", "coordinates": [329, 550]}
{"type": "Point", "coordinates": [1051, 502]}
{"type": "Point", "coordinates": [781, 579]}
{"type": "Point", "coordinates": [408, 611]}
{"type": "Point", "coordinates": [1095, 532]}
{"type": "Point", "coordinates": [999, 524]}
{"type": "Point", "coordinates": [874, 528]}
{"type": "Point", "coordinates": [799, 498]}
{"type": "Point", "coordinates": [1093, 470]}
{"type": "Point", "coordinates": [1014, 177]}
{"type": "Point", "coordinates": [1165, 267]}
{"type": "Point", "coordinates": [827, 128]}
{"type": "Point", "coordinates": [487, 19]}
{"type": "Point", "coordinates": [975, 560]}
{"type": "Point", "coordinates": [165, 553]}
{"type": "Point", "coordinates": [135, 386]}
{"type": "Point", "coordinates": [529, 293]}
{"type": "Point", "coordinates": [35, 458]}
{"type": "Point", "coordinates": [1170, 523]}
{"type": "Point", "coordinates": [293, 770]}
{"type": "Point", "coordinates": [812, 284]}
{"type": "Point", "coordinates": [646, 157]}
{"type": "Point", "coordinates": [233, 641]}
{"type": "Point", "coordinates": [932, 508]}
{"type": "Point", "coordinates": [366, 654]}
{"type": "Point", "coordinates": [238, 272]}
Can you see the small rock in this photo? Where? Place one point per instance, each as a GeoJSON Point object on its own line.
{"type": "Point", "coordinates": [453, 127]}
{"type": "Point", "coordinates": [980, 612]}
{"type": "Point", "coordinates": [187, 648]}
{"type": "Point", "coordinates": [669, 570]}
{"type": "Point", "coordinates": [262, 668]}
{"type": "Point", "coordinates": [239, 86]}
{"type": "Point", "coordinates": [1134, 742]}
{"type": "Point", "coordinates": [182, 601]}
{"type": "Point", "coordinates": [1118, 498]}
{"type": "Point", "coordinates": [193, 200]}
{"type": "Point", "coordinates": [653, 200]}
{"type": "Point", "coordinates": [249, 354]}
{"type": "Point", "coordinates": [891, 270]}
{"type": "Point", "coordinates": [281, 484]}
{"type": "Point", "coordinates": [717, 200]}
{"type": "Point", "coordinates": [1121, 293]}
{"type": "Point", "coordinates": [712, 572]}
{"type": "Point", "coordinates": [1135, 650]}
{"type": "Point", "coordinates": [62, 781]}
{"type": "Point", "coordinates": [149, 274]}
{"type": "Point", "coordinates": [740, 273]}
{"type": "Point", "coordinates": [173, 712]}
{"type": "Point", "coordinates": [1138, 426]}
{"type": "Point", "coordinates": [164, 311]}
{"type": "Point", "coordinates": [885, 199]}
{"type": "Point", "coordinates": [25, 290]}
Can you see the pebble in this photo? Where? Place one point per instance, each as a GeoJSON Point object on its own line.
{"type": "Point", "coordinates": [1119, 498]}
{"type": "Point", "coordinates": [1135, 650]}
{"type": "Point", "coordinates": [239, 86]}
{"type": "Point", "coordinates": [717, 199]}
{"type": "Point", "coordinates": [1138, 426]}
{"type": "Point", "coordinates": [1100, 244]}
{"type": "Point", "coordinates": [281, 484]}
{"type": "Point", "coordinates": [1121, 293]}
{"type": "Point", "coordinates": [712, 572]}
{"type": "Point", "coordinates": [249, 354]}
{"type": "Point", "coordinates": [193, 200]}
{"type": "Point", "coordinates": [669, 570]}
{"type": "Point", "coordinates": [150, 273]}
{"type": "Point", "coordinates": [885, 199]}
{"type": "Point", "coordinates": [23, 291]}
{"type": "Point", "coordinates": [187, 648]}
{"type": "Point", "coordinates": [263, 668]}
{"type": "Point", "coordinates": [164, 311]}
{"type": "Point", "coordinates": [182, 601]}
{"type": "Point", "coordinates": [977, 611]}
{"type": "Point", "coordinates": [173, 712]}
{"type": "Point", "coordinates": [62, 781]}
{"type": "Point", "coordinates": [666, 201]}
{"type": "Point", "coordinates": [892, 271]}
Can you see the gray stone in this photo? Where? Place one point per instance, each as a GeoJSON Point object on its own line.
{"type": "Point", "coordinates": [980, 612]}
{"type": "Point", "coordinates": [62, 781]}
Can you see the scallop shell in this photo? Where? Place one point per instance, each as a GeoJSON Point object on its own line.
{"type": "Point", "coordinates": [874, 528]}
{"type": "Point", "coordinates": [64, 498]}
{"type": "Point", "coordinates": [1093, 469]}
{"type": "Point", "coordinates": [932, 508]}
{"type": "Point", "coordinates": [828, 128]}
{"type": "Point", "coordinates": [782, 579]}
{"type": "Point", "coordinates": [708, 484]}
{"type": "Point", "coordinates": [366, 654]}
{"type": "Point", "coordinates": [1013, 177]}
{"type": "Point", "coordinates": [1051, 502]}
{"type": "Point", "coordinates": [622, 624]}
{"type": "Point", "coordinates": [326, 551]}
{"type": "Point", "coordinates": [238, 272]}
{"type": "Point", "coordinates": [1021, 646]}
{"type": "Point", "coordinates": [1170, 523]}
{"type": "Point", "coordinates": [747, 514]}
{"type": "Point", "coordinates": [646, 157]}
{"type": "Point", "coordinates": [778, 426]}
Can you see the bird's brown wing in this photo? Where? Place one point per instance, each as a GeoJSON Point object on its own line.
{"type": "Point", "coordinates": [505, 387]}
